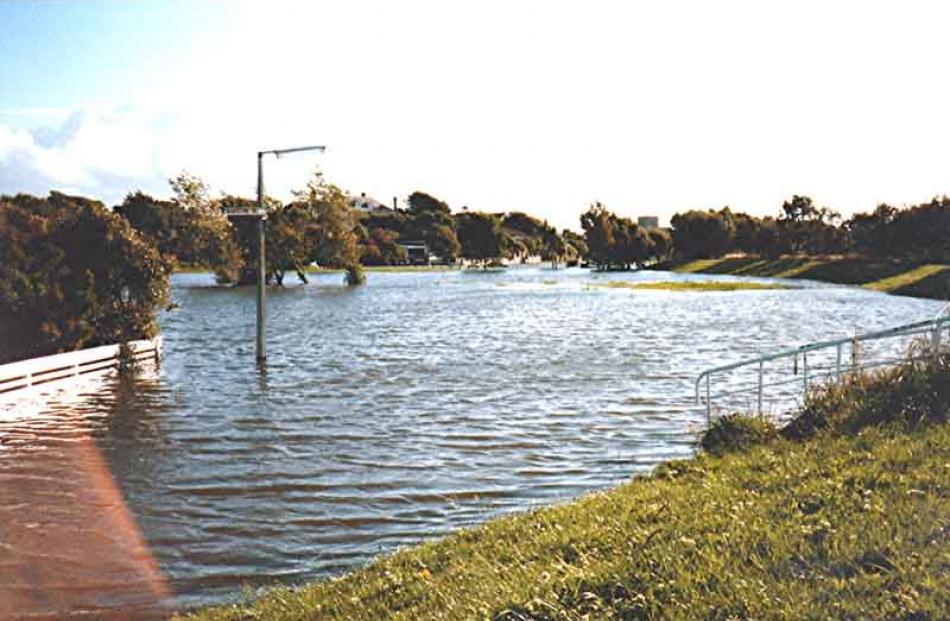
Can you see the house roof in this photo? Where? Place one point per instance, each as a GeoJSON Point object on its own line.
{"type": "Point", "coordinates": [367, 203]}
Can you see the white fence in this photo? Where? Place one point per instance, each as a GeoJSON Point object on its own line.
{"type": "Point", "coordinates": [46, 369]}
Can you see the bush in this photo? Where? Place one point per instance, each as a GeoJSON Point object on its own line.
{"type": "Point", "coordinates": [72, 275]}
{"type": "Point", "coordinates": [909, 395]}
{"type": "Point", "coordinates": [736, 432]}
{"type": "Point", "coordinates": [355, 274]}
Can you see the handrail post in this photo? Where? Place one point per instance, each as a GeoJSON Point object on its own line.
{"type": "Point", "coordinates": [936, 343]}
{"type": "Point", "coordinates": [838, 363]}
{"type": "Point", "coordinates": [805, 374]}
{"type": "Point", "coordinates": [708, 404]}
{"type": "Point", "coordinates": [761, 365]}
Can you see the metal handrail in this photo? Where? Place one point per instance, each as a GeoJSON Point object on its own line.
{"type": "Point", "coordinates": [932, 326]}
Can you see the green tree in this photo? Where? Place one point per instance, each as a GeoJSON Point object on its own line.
{"type": "Point", "coordinates": [577, 249]}
{"type": "Point", "coordinates": [73, 274]}
{"type": "Point", "coordinates": [437, 229]}
{"type": "Point", "coordinates": [702, 234]}
{"type": "Point", "coordinates": [923, 231]}
{"type": "Point", "coordinates": [380, 246]}
{"type": "Point", "coordinates": [553, 246]}
{"type": "Point", "coordinates": [420, 202]}
{"type": "Point", "coordinates": [873, 233]}
{"type": "Point", "coordinates": [808, 229]}
{"type": "Point", "coordinates": [599, 234]}
{"type": "Point", "coordinates": [290, 235]}
{"type": "Point", "coordinates": [189, 230]}
{"type": "Point", "coordinates": [332, 236]}
{"type": "Point", "coordinates": [614, 242]}
{"type": "Point", "coordinates": [661, 244]}
{"type": "Point", "coordinates": [481, 237]}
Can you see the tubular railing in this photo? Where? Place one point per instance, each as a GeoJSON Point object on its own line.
{"type": "Point", "coordinates": [835, 369]}
{"type": "Point", "coordinates": [46, 369]}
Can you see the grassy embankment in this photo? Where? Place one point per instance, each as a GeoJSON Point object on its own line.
{"type": "Point", "coordinates": [898, 276]}
{"type": "Point", "coordinates": [705, 285]}
{"type": "Point", "coordinates": [844, 514]}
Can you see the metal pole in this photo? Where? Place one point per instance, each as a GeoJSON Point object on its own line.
{"type": "Point", "coordinates": [708, 403]}
{"type": "Point", "coordinates": [936, 343]}
{"type": "Point", "coordinates": [838, 364]}
{"type": "Point", "coordinates": [761, 363]}
{"type": "Point", "coordinates": [261, 269]}
{"type": "Point", "coordinates": [805, 373]}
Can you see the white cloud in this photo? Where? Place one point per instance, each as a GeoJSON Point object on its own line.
{"type": "Point", "coordinates": [98, 153]}
{"type": "Point", "coordinates": [106, 153]}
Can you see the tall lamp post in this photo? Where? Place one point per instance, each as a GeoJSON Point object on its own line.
{"type": "Point", "coordinates": [261, 263]}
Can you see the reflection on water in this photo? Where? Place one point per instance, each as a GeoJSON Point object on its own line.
{"type": "Point", "coordinates": [69, 542]}
{"type": "Point", "coordinates": [405, 409]}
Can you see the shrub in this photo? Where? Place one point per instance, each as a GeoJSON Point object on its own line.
{"type": "Point", "coordinates": [355, 274]}
{"type": "Point", "coordinates": [736, 432]}
{"type": "Point", "coordinates": [914, 393]}
{"type": "Point", "coordinates": [73, 274]}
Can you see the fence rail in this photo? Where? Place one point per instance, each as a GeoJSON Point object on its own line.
{"type": "Point", "coordinates": [35, 371]}
{"type": "Point", "coordinates": [836, 368]}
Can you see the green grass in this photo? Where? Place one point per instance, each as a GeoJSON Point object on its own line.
{"type": "Point", "coordinates": [845, 516]}
{"type": "Point", "coordinates": [699, 265]}
{"type": "Point", "coordinates": [685, 285]}
{"type": "Point", "coordinates": [899, 276]}
{"type": "Point", "coordinates": [908, 278]}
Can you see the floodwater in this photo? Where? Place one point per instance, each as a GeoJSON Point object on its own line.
{"type": "Point", "coordinates": [390, 413]}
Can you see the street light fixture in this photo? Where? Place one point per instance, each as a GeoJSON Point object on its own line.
{"type": "Point", "coordinates": [261, 217]}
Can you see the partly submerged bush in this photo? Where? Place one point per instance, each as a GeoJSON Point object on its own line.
{"type": "Point", "coordinates": [736, 432]}
{"type": "Point", "coordinates": [355, 274]}
{"type": "Point", "coordinates": [911, 394]}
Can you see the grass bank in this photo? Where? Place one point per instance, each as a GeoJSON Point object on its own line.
{"type": "Point", "coordinates": [704, 285]}
{"type": "Point", "coordinates": [901, 277]}
{"type": "Point", "coordinates": [845, 514]}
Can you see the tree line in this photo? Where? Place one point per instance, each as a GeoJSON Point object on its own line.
{"type": "Point", "coordinates": [614, 242]}
{"type": "Point", "coordinates": [479, 237]}
{"type": "Point", "coordinates": [920, 232]}
{"type": "Point", "coordinates": [319, 226]}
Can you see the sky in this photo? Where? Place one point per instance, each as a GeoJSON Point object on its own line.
{"type": "Point", "coordinates": [648, 107]}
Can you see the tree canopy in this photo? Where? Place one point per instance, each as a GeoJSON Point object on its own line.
{"type": "Point", "coordinates": [614, 242]}
{"type": "Point", "coordinates": [73, 274]}
{"type": "Point", "coordinates": [481, 237]}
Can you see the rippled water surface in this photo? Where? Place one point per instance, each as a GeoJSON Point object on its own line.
{"type": "Point", "coordinates": [418, 404]}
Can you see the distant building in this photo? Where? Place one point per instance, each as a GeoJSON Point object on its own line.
{"type": "Point", "coordinates": [417, 252]}
{"type": "Point", "coordinates": [368, 204]}
{"type": "Point", "coordinates": [649, 222]}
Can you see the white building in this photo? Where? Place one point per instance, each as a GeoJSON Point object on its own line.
{"type": "Point", "coordinates": [368, 204]}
